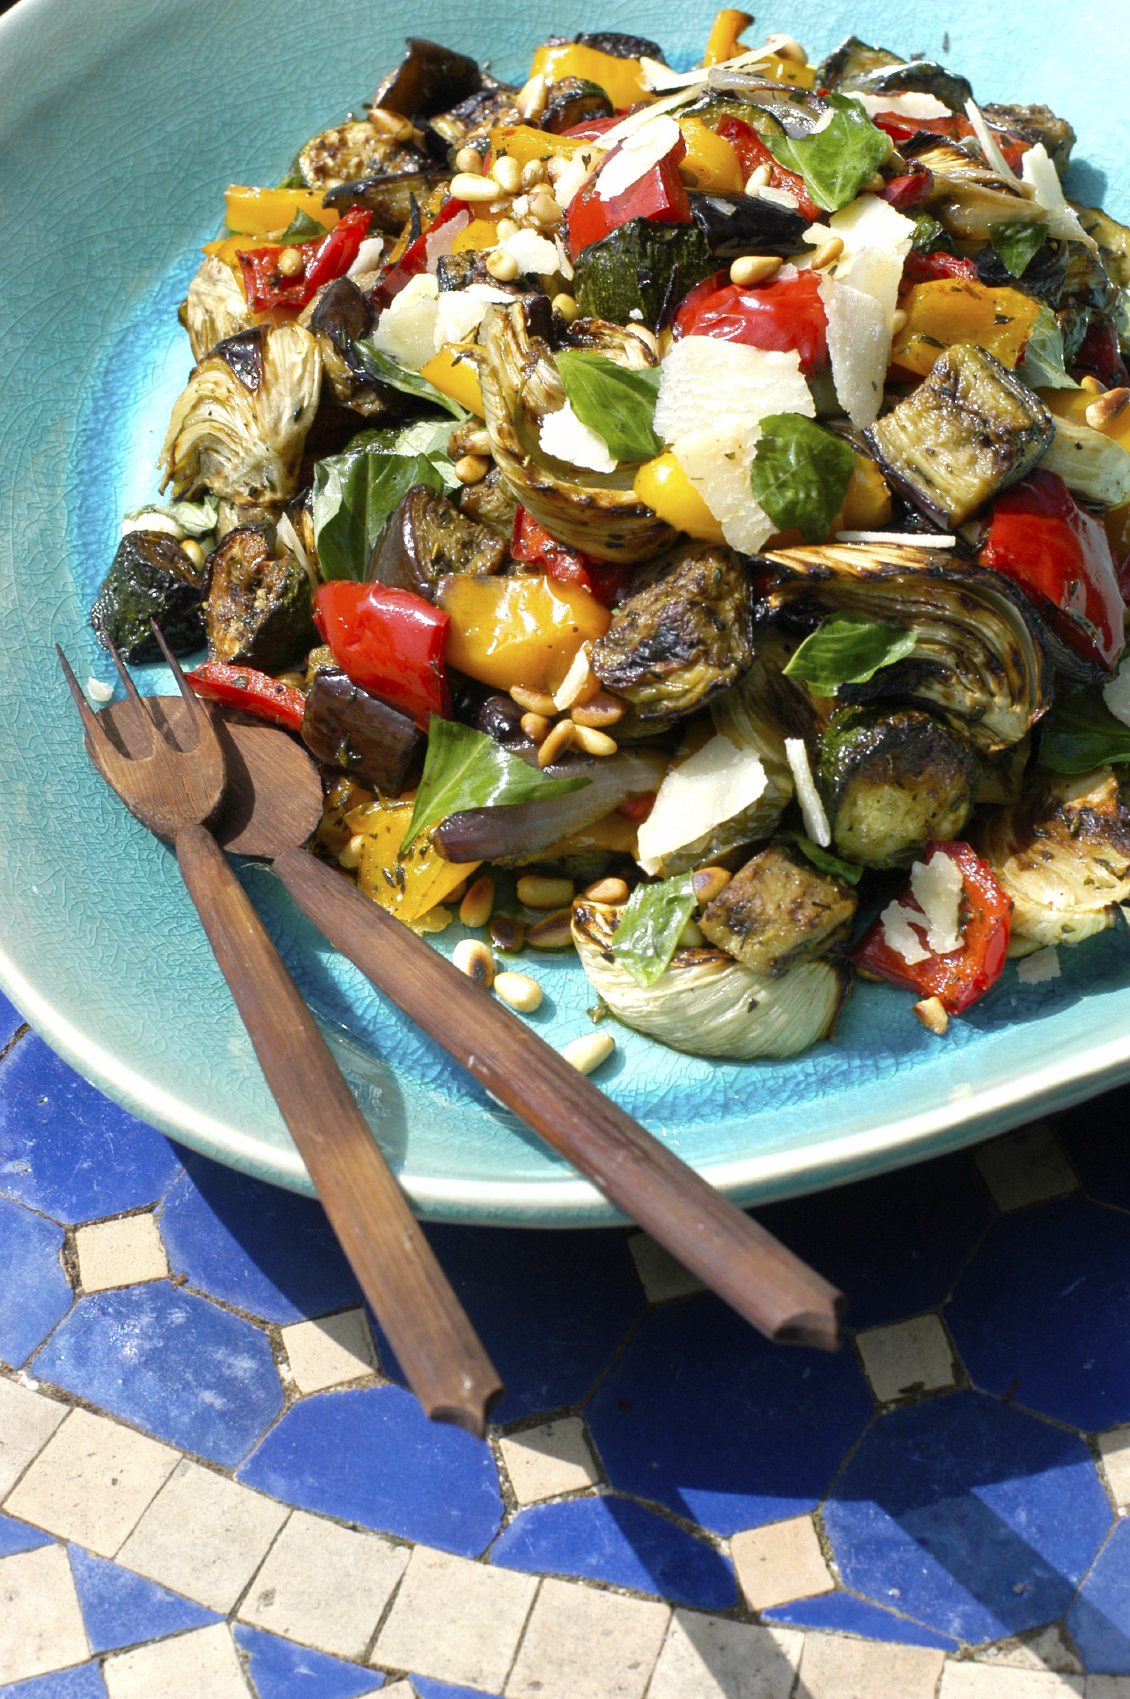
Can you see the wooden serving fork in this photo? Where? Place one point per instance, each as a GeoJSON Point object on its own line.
{"type": "Point", "coordinates": [172, 792]}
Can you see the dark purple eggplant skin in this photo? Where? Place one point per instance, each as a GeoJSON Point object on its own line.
{"type": "Point", "coordinates": [426, 538]}
{"type": "Point", "coordinates": [621, 46]}
{"type": "Point", "coordinates": [342, 314]}
{"type": "Point", "coordinates": [753, 226]}
{"type": "Point", "coordinates": [430, 79]}
{"type": "Point", "coordinates": [244, 354]}
{"type": "Point", "coordinates": [346, 727]}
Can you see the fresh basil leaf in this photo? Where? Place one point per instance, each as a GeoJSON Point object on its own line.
{"type": "Point", "coordinates": [382, 368]}
{"type": "Point", "coordinates": [465, 769]}
{"type": "Point", "coordinates": [930, 237]}
{"type": "Point", "coordinates": [616, 403]}
{"type": "Point", "coordinates": [1017, 244]}
{"type": "Point", "coordinates": [294, 178]}
{"type": "Point", "coordinates": [848, 649]}
{"type": "Point", "coordinates": [800, 474]}
{"type": "Point", "coordinates": [302, 228]}
{"type": "Point", "coordinates": [836, 161]}
{"type": "Point", "coordinates": [825, 860]}
{"type": "Point", "coordinates": [1081, 733]}
{"type": "Point", "coordinates": [354, 493]}
{"type": "Point", "coordinates": [428, 437]}
{"type": "Point", "coordinates": [648, 933]}
{"type": "Point", "coordinates": [195, 518]}
{"type": "Point", "coordinates": [1043, 364]}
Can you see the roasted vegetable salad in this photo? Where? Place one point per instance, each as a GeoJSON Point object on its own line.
{"type": "Point", "coordinates": [694, 501]}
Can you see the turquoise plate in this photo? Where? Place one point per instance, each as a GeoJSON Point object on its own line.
{"type": "Point", "coordinates": [121, 121]}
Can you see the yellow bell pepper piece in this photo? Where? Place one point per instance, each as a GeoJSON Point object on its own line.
{"type": "Point", "coordinates": [710, 158]}
{"type": "Point", "coordinates": [667, 490]}
{"type": "Point", "coordinates": [722, 43]}
{"type": "Point", "coordinates": [867, 505]}
{"type": "Point", "coordinates": [407, 886]}
{"type": "Point", "coordinates": [957, 309]}
{"type": "Point", "coordinates": [523, 143]}
{"type": "Point", "coordinates": [1072, 404]}
{"type": "Point", "coordinates": [611, 833]}
{"type": "Point", "coordinates": [786, 71]}
{"type": "Point", "coordinates": [518, 631]}
{"type": "Point", "coordinates": [266, 212]}
{"type": "Point", "coordinates": [480, 233]}
{"type": "Point", "coordinates": [455, 375]}
{"type": "Point", "coordinates": [621, 79]}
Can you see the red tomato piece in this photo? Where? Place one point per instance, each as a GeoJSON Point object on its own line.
{"type": "Point", "coordinates": [781, 314]}
{"type": "Point", "coordinates": [323, 259]}
{"type": "Point", "coordinates": [660, 194]}
{"type": "Point", "coordinates": [389, 642]}
{"type": "Point", "coordinates": [965, 974]}
{"type": "Point", "coordinates": [752, 152]}
{"type": "Point", "coordinates": [253, 692]}
{"type": "Point", "coordinates": [1062, 559]}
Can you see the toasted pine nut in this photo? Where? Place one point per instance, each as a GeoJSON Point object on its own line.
{"type": "Point", "coordinates": [475, 908]}
{"type": "Point", "coordinates": [555, 932]}
{"type": "Point", "coordinates": [544, 207]}
{"type": "Point", "coordinates": [467, 187]}
{"type": "Point", "coordinates": [561, 738]}
{"type": "Point", "coordinates": [534, 701]}
{"type": "Point", "coordinates": [470, 161]}
{"type": "Point", "coordinates": [601, 710]}
{"type": "Point", "coordinates": [290, 262]}
{"type": "Point", "coordinates": [501, 265]}
{"type": "Point", "coordinates": [506, 228]}
{"type": "Point", "coordinates": [536, 727]}
{"type": "Point", "coordinates": [754, 268]}
{"type": "Point", "coordinates": [566, 306]}
{"type": "Point", "coordinates": [607, 891]}
{"type": "Point", "coordinates": [690, 937]}
{"type": "Point", "coordinates": [827, 253]}
{"type": "Point", "coordinates": [520, 991]}
{"type": "Point", "coordinates": [1092, 385]}
{"type": "Point", "coordinates": [786, 47]}
{"type": "Point", "coordinates": [468, 439]}
{"type": "Point", "coordinates": [707, 883]}
{"type": "Point", "coordinates": [192, 549]}
{"type": "Point", "coordinates": [457, 895]}
{"type": "Point", "coordinates": [472, 469]}
{"type": "Point", "coordinates": [758, 179]}
{"type": "Point", "coordinates": [507, 173]}
{"type": "Point", "coordinates": [589, 1052]}
{"type": "Point", "coordinates": [540, 890]}
{"type": "Point", "coordinates": [472, 957]}
{"type": "Point", "coordinates": [931, 1011]}
{"type": "Point", "coordinates": [899, 322]}
{"type": "Point", "coordinates": [1101, 412]}
{"type": "Point", "coordinates": [350, 856]}
{"type": "Point", "coordinates": [506, 933]}
{"type": "Point", "coordinates": [533, 173]}
{"type": "Point", "coordinates": [390, 123]}
{"type": "Point", "coordinates": [531, 98]}
{"type": "Point", "coordinates": [594, 742]}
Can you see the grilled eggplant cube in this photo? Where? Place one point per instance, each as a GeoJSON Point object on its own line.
{"type": "Point", "coordinates": [260, 609]}
{"type": "Point", "coordinates": [966, 433]}
{"type": "Point", "coordinates": [346, 727]}
{"type": "Point", "coordinates": [150, 577]}
{"type": "Point", "coordinates": [892, 781]}
{"type": "Point", "coordinates": [779, 910]}
{"type": "Point", "coordinates": [426, 538]}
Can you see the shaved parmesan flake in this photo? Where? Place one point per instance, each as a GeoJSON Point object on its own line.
{"type": "Point", "coordinates": [458, 314]}
{"type": "Point", "coordinates": [937, 886]}
{"type": "Point", "coordinates": [867, 222]}
{"type": "Point", "coordinates": [859, 346]}
{"type": "Point", "coordinates": [717, 463]}
{"type": "Point", "coordinates": [811, 807]}
{"type": "Point", "coordinates": [716, 784]}
{"type": "Point", "coordinates": [574, 681]}
{"type": "Point", "coordinates": [727, 383]}
{"type": "Point", "coordinates": [636, 120]}
{"type": "Point", "coordinates": [907, 539]}
{"type": "Point", "coordinates": [290, 539]}
{"type": "Point", "coordinates": [639, 152]}
{"type": "Point", "coordinates": [563, 436]}
{"type": "Point", "coordinates": [574, 175]}
{"type": "Point", "coordinates": [407, 327]}
{"type": "Point", "coordinates": [534, 253]}
{"type": "Point", "coordinates": [778, 197]}
{"type": "Point", "coordinates": [905, 105]}
{"type": "Point", "coordinates": [1037, 170]}
{"type": "Point", "coordinates": [661, 78]}
{"type": "Point", "coordinates": [900, 936]}
{"type": "Point", "coordinates": [442, 241]}
{"type": "Point", "coordinates": [368, 256]}
{"type": "Point", "coordinates": [988, 141]}
{"type": "Point", "coordinates": [1041, 965]}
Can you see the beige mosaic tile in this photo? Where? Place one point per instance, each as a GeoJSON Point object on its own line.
{"type": "Point", "coordinates": [325, 1585]}
{"type": "Point", "coordinates": [330, 1351]}
{"type": "Point", "coordinates": [708, 1657]}
{"type": "Point", "coordinates": [1046, 1650]}
{"type": "Point", "coordinates": [780, 1562]}
{"type": "Point", "coordinates": [1025, 1167]}
{"type": "Point", "coordinates": [554, 1458]}
{"type": "Point", "coordinates": [834, 1666]}
{"type": "Point", "coordinates": [92, 1481]}
{"type": "Point", "coordinates": [41, 1626]}
{"type": "Point", "coordinates": [27, 1421]}
{"type": "Point", "coordinates": [1108, 1687]}
{"type": "Point", "coordinates": [120, 1253]}
{"type": "Point", "coordinates": [661, 1275]}
{"type": "Point", "coordinates": [991, 1681]}
{"type": "Point", "coordinates": [231, 1529]}
{"type": "Point", "coordinates": [455, 1620]}
{"type": "Point", "coordinates": [910, 1356]}
{"type": "Point", "coordinates": [200, 1665]}
{"type": "Point", "coordinates": [581, 1643]}
{"type": "Point", "coordinates": [1114, 1446]}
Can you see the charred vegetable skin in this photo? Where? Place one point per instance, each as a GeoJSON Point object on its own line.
{"type": "Point", "coordinates": [150, 577]}
{"type": "Point", "coordinates": [891, 781]}
{"type": "Point", "coordinates": [260, 608]}
{"type": "Point", "coordinates": [426, 538]}
{"type": "Point", "coordinates": [779, 910]}
{"type": "Point", "coordinates": [346, 727]}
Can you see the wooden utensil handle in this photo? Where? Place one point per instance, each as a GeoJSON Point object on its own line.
{"type": "Point", "coordinates": [744, 1264]}
{"type": "Point", "coordinates": [441, 1355]}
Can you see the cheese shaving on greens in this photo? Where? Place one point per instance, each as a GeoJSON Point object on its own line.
{"type": "Point", "coordinates": [563, 436]}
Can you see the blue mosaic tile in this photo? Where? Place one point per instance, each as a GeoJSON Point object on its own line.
{"type": "Point", "coordinates": [969, 1515]}
{"type": "Point", "coordinates": [254, 1245]}
{"type": "Point", "coordinates": [372, 1457]}
{"type": "Point", "coordinates": [84, 1681]}
{"type": "Point", "coordinates": [428, 1688]}
{"type": "Point", "coordinates": [123, 1609]}
{"type": "Point", "coordinates": [843, 1613]}
{"type": "Point", "coordinates": [10, 1020]}
{"type": "Point", "coordinates": [176, 1365]}
{"type": "Point", "coordinates": [1098, 1147]}
{"type": "Point", "coordinates": [281, 1670]}
{"type": "Point", "coordinates": [67, 1150]}
{"type": "Point", "coordinates": [34, 1293]}
{"type": "Point", "coordinates": [19, 1537]}
{"type": "Point", "coordinates": [1042, 1314]}
{"type": "Point", "coordinates": [613, 1539]}
{"type": "Point", "coordinates": [709, 1419]}
{"type": "Point", "coordinates": [894, 1244]}
{"type": "Point", "coordinates": [550, 1308]}
{"type": "Point", "coordinates": [1099, 1619]}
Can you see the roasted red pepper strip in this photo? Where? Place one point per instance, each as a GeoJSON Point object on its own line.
{"type": "Point", "coordinates": [929, 268]}
{"type": "Point", "coordinates": [783, 314]}
{"type": "Point", "coordinates": [324, 259]}
{"type": "Point", "coordinates": [900, 129]}
{"type": "Point", "coordinates": [752, 152]}
{"type": "Point", "coordinates": [1062, 560]}
{"type": "Point", "coordinates": [255, 692]}
{"type": "Point", "coordinates": [531, 542]}
{"type": "Point", "coordinates": [414, 259]}
{"type": "Point", "coordinates": [959, 978]}
{"type": "Point", "coordinates": [389, 642]}
{"type": "Point", "coordinates": [910, 189]}
{"type": "Point", "coordinates": [660, 194]}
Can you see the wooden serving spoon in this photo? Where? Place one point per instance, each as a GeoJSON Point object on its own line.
{"type": "Point", "coordinates": [269, 812]}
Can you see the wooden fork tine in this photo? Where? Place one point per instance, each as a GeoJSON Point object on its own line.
{"type": "Point", "coordinates": [204, 726]}
{"type": "Point", "coordinates": [89, 718]}
{"type": "Point", "coordinates": [145, 716]}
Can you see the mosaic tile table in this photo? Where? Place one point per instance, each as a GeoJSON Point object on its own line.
{"type": "Point", "coordinates": [214, 1485]}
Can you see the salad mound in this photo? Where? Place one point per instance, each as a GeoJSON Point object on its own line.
{"type": "Point", "coordinates": [710, 489]}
